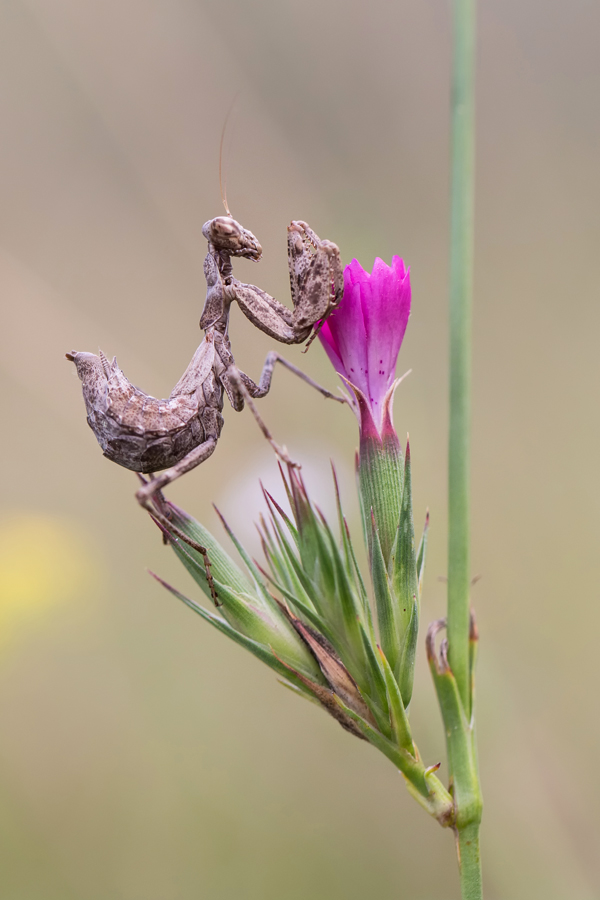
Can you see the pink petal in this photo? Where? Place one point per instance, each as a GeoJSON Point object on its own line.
{"type": "Point", "coordinates": [362, 337]}
{"type": "Point", "coordinates": [386, 308]}
{"type": "Point", "coordinates": [348, 329]}
{"type": "Point", "coordinates": [331, 349]}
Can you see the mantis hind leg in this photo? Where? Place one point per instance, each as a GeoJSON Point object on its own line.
{"type": "Point", "coordinates": [150, 492]}
{"type": "Point", "coordinates": [196, 456]}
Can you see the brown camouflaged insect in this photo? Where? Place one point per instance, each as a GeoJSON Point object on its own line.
{"type": "Point", "coordinates": [175, 435]}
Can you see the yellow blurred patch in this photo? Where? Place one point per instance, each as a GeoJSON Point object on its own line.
{"type": "Point", "coordinates": [44, 563]}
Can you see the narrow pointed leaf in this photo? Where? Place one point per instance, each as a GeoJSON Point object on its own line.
{"type": "Point", "coordinates": [329, 701]}
{"type": "Point", "coordinates": [249, 562]}
{"type": "Point", "coordinates": [358, 575]}
{"type": "Point", "coordinates": [311, 594]}
{"type": "Point", "coordinates": [326, 570]}
{"type": "Point", "coordinates": [400, 722]}
{"type": "Point", "coordinates": [409, 651]}
{"type": "Point", "coordinates": [259, 626]}
{"type": "Point", "coordinates": [380, 717]}
{"type": "Point", "coordinates": [291, 567]}
{"type": "Point", "coordinates": [386, 614]}
{"type": "Point", "coordinates": [275, 507]}
{"type": "Point", "coordinates": [376, 670]}
{"type": "Point", "coordinates": [223, 567]}
{"type": "Point", "coordinates": [314, 618]}
{"type": "Point", "coordinates": [263, 596]}
{"type": "Point", "coordinates": [261, 652]}
{"type": "Point", "coordinates": [345, 593]}
{"type": "Point", "coordinates": [422, 553]}
{"type": "Point", "coordinates": [405, 589]}
{"type": "Point", "coordinates": [408, 765]}
{"type": "Point", "coordinates": [347, 548]}
{"type": "Point", "coordinates": [403, 560]}
{"type": "Point", "coordinates": [377, 699]}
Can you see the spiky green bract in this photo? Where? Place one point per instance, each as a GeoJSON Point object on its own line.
{"type": "Point", "coordinates": [318, 577]}
{"type": "Point", "coordinates": [315, 629]}
{"type": "Point", "coordinates": [404, 580]}
{"type": "Point", "coordinates": [396, 567]}
{"type": "Point", "coordinates": [380, 475]}
{"type": "Point", "coordinates": [246, 606]}
{"type": "Point", "coordinates": [320, 581]}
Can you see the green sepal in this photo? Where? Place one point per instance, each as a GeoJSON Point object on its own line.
{"type": "Point", "coordinates": [422, 553]}
{"type": "Point", "coordinates": [344, 598]}
{"type": "Point", "coordinates": [262, 652]}
{"type": "Point", "coordinates": [222, 566]}
{"type": "Point", "coordinates": [375, 668]}
{"type": "Point", "coordinates": [330, 586]}
{"type": "Point", "coordinates": [384, 602]}
{"type": "Point", "coordinates": [310, 593]}
{"type": "Point", "coordinates": [306, 522]}
{"type": "Point", "coordinates": [409, 651]}
{"type": "Point", "coordinates": [245, 616]}
{"type": "Point", "coordinates": [274, 506]}
{"type": "Point", "coordinates": [376, 696]}
{"type": "Point", "coordinates": [398, 716]}
{"type": "Point", "coordinates": [380, 477]}
{"type": "Point", "coordinates": [306, 612]}
{"type": "Point", "coordinates": [405, 589]}
{"type": "Point", "coordinates": [348, 550]}
{"type": "Point", "coordinates": [266, 598]}
{"type": "Point", "coordinates": [285, 563]}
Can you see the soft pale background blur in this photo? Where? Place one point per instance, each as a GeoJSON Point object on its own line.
{"type": "Point", "coordinates": [142, 757]}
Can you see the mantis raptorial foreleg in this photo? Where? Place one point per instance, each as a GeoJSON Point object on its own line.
{"type": "Point", "coordinates": [316, 284]}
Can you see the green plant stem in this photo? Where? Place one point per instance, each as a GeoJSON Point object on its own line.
{"type": "Point", "coordinates": [457, 702]}
{"type": "Point", "coordinates": [469, 862]}
{"type": "Point", "coordinates": [461, 293]}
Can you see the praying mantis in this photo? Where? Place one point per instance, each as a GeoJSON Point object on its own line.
{"type": "Point", "coordinates": [175, 435]}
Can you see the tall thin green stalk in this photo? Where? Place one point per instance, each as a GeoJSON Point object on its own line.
{"type": "Point", "coordinates": [461, 301]}
{"type": "Point", "coordinates": [461, 637]}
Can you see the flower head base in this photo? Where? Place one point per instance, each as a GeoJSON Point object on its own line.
{"type": "Point", "coordinates": [362, 338]}
{"type": "Point", "coordinates": [307, 615]}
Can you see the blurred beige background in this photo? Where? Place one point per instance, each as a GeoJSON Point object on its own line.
{"type": "Point", "coordinates": [142, 757]}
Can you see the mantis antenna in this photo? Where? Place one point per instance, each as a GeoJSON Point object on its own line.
{"type": "Point", "coordinates": [223, 181]}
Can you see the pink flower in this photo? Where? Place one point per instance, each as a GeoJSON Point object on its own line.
{"type": "Point", "coordinates": [362, 337]}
